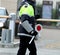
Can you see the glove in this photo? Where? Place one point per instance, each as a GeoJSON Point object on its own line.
{"type": "Point", "coordinates": [34, 33]}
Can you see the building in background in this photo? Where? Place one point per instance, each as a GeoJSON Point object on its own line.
{"type": "Point", "coordinates": [47, 9]}
{"type": "Point", "coordinates": [0, 2]}
{"type": "Point", "coordinates": [10, 5]}
{"type": "Point", "coordinates": [54, 2]}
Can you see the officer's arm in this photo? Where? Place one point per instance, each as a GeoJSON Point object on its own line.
{"type": "Point", "coordinates": [25, 23]}
{"type": "Point", "coordinates": [27, 26]}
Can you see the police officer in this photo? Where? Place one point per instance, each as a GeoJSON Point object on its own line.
{"type": "Point", "coordinates": [26, 28]}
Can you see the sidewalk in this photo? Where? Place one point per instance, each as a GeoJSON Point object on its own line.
{"type": "Point", "coordinates": [48, 44]}
{"type": "Point", "coordinates": [10, 45]}
{"type": "Point", "coordinates": [40, 51]}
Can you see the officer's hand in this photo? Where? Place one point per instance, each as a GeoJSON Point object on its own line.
{"type": "Point", "coordinates": [34, 33]}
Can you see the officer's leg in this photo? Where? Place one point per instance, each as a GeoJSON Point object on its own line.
{"type": "Point", "coordinates": [22, 48]}
{"type": "Point", "coordinates": [32, 49]}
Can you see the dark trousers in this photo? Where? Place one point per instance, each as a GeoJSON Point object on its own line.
{"type": "Point", "coordinates": [24, 44]}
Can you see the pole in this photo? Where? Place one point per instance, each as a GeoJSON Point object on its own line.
{"type": "Point", "coordinates": [12, 28]}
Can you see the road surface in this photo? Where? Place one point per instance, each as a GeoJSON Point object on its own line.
{"type": "Point", "coordinates": [48, 44]}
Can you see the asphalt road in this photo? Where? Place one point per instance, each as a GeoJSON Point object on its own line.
{"type": "Point", "coordinates": [50, 38]}
{"type": "Point", "coordinates": [47, 44]}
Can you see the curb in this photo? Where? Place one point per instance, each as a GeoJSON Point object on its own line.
{"type": "Point", "coordinates": [9, 45]}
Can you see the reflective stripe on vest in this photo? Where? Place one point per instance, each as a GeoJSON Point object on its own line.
{"type": "Point", "coordinates": [23, 34]}
{"type": "Point", "coordinates": [26, 10]}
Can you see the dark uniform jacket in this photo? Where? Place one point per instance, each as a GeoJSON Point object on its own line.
{"type": "Point", "coordinates": [31, 20]}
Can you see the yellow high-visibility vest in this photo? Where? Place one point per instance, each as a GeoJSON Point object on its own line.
{"type": "Point", "coordinates": [29, 10]}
